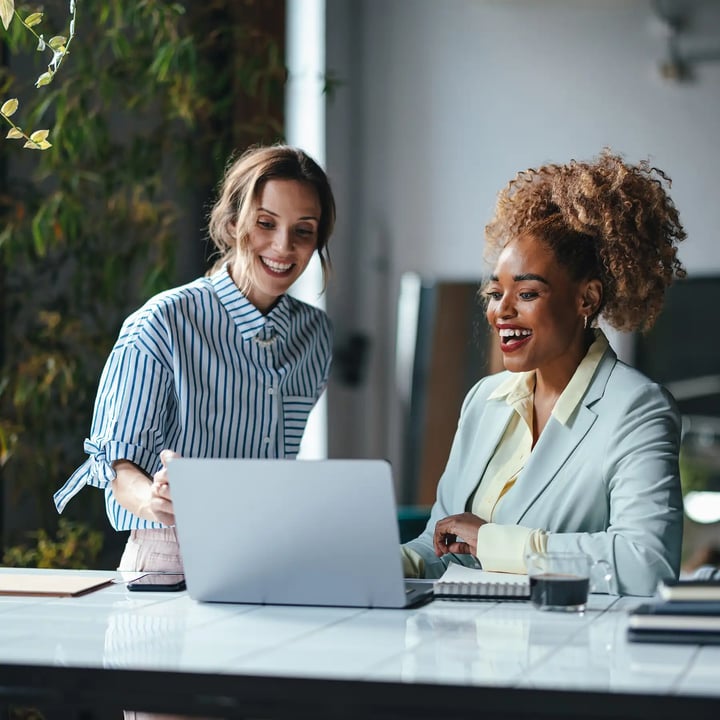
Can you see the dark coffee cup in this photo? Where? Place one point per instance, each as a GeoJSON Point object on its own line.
{"type": "Point", "coordinates": [562, 580]}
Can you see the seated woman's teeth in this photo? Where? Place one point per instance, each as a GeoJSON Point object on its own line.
{"type": "Point", "coordinates": [509, 334]}
{"type": "Point", "coordinates": [276, 266]}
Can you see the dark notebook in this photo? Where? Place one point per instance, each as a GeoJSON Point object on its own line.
{"type": "Point", "coordinates": [684, 622]}
{"type": "Point", "coordinates": [694, 590]}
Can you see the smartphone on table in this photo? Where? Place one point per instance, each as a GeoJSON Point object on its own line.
{"type": "Point", "coordinates": [158, 582]}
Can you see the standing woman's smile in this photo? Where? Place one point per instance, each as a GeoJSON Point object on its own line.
{"type": "Point", "coordinates": [281, 241]}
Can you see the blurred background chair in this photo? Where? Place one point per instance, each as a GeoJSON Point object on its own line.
{"type": "Point", "coordinates": [443, 348]}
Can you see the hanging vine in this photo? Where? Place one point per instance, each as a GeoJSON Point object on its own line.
{"type": "Point", "coordinates": [58, 46]}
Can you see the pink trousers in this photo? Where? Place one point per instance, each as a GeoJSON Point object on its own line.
{"type": "Point", "coordinates": [151, 551]}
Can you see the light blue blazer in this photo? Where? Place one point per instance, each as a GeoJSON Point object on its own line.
{"type": "Point", "coordinates": [607, 483]}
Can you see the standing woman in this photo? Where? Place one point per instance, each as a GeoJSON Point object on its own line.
{"type": "Point", "coordinates": [569, 449]}
{"type": "Point", "coordinates": [226, 366]}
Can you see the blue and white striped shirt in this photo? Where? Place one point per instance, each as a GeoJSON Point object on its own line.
{"type": "Point", "coordinates": [200, 370]}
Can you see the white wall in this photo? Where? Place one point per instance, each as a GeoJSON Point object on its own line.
{"type": "Point", "coordinates": [443, 101]}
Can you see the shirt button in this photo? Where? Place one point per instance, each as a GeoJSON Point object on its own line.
{"type": "Point", "coordinates": [271, 391]}
{"type": "Point", "coordinates": [266, 441]}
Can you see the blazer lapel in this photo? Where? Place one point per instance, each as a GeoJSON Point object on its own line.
{"type": "Point", "coordinates": [488, 431]}
{"type": "Point", "coordinates": [554, 447]}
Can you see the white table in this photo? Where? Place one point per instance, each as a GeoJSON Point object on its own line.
{"type": "Point", "coordinates": [163, 651]}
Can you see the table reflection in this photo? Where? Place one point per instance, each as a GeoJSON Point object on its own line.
{"type": "Point", "coordinates": [503, 644]}
{"type": "Point", "coordinates": [139, 635]}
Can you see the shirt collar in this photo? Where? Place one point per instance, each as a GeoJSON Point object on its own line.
{"type": "Point", "coordinates": [580, 381]}
{"type": "Point", "coordinates": [248, 319]}
{"type": "Point", "coordinates": [516, 387]}
{"type": "Point", "coordinates": [519, 385]}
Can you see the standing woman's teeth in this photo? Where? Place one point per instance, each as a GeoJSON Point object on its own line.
{"type": "Point", "coordinates": [277, 267]}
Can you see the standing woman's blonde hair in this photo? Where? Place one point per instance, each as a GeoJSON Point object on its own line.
{"type": "Point", "coordinates": [240, 190]}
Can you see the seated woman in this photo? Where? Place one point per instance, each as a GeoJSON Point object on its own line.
{"type": "Point", "coordinates": [569, 449]}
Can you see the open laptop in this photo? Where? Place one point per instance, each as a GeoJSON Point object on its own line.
{"type": "Point", "coordinates": [291, 532]}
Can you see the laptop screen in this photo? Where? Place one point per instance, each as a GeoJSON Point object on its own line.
{"type": "Point", "coordinates": [298, 532]}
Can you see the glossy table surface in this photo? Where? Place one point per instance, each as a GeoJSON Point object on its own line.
{"type": "Point", "coordinates": [472, 653]}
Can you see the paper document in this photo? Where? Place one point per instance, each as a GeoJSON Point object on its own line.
{"type": "Point", "coordinates": [460, 573]}
{"type": "Point", "coordinates": [50, 584]}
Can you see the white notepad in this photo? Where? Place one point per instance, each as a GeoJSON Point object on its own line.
{"type": "Point", "coordinates": [465, 583]}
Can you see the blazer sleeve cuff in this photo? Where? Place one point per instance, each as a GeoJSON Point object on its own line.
{"type": "Point", "coordinates": [502, 548]}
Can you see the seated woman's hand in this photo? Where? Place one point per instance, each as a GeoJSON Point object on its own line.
{"type": "Point", "coordinates": [160, 499]}
{"type": "Point", "coordinates": [457, 534]}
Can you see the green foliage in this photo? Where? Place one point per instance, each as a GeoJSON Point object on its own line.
{"type": "Point", "coordinates": [15, 712]}
{"type": "Point", "coordinates": [144, 117]}
{"type": "Point", "coordinates": [698, 473]}
{"type": "Point", "coordinates": [75, 545]}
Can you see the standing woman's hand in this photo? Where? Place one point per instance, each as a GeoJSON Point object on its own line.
{"type": "Point", "coordinates": [457, 534]}
{"type": "Point", "coordinates": [160, 501]}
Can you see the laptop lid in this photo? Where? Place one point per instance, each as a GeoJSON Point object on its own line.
{"type": "Point", "coordinates": [295, 532]}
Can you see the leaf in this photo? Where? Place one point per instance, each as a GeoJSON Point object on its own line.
{"type": "Point", "coordinates": [38, 227]}
{"type": "Point", "coordinates": [33, 19]}
{"type": "Point", "coordinates": [57, 42]}
{"type": "Point", "coordinates": [7, 10]}
{"type": "Point", "coordinates": [9, 107]}
{"type": "Point", "coordinates": [37, 145]}
{"type": "Point", "coordinates": [39, 135]}
{"type": "Point", "coordinates": [14, 133]}
{"type": "Point", "coordinates": [44, 79]}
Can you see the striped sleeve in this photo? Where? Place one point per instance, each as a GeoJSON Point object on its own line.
{"type": "Point", "coordinates": [128, 420]}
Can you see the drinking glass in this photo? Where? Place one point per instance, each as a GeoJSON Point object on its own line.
{"type": "Point", "coordinates": [562, 580]}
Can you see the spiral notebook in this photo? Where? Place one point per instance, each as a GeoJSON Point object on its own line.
{"type": "Point", "coordinates": [464, 583]}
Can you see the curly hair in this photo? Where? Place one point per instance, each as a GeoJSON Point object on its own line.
{"type": "Point", "coordinates": [603, 219]}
